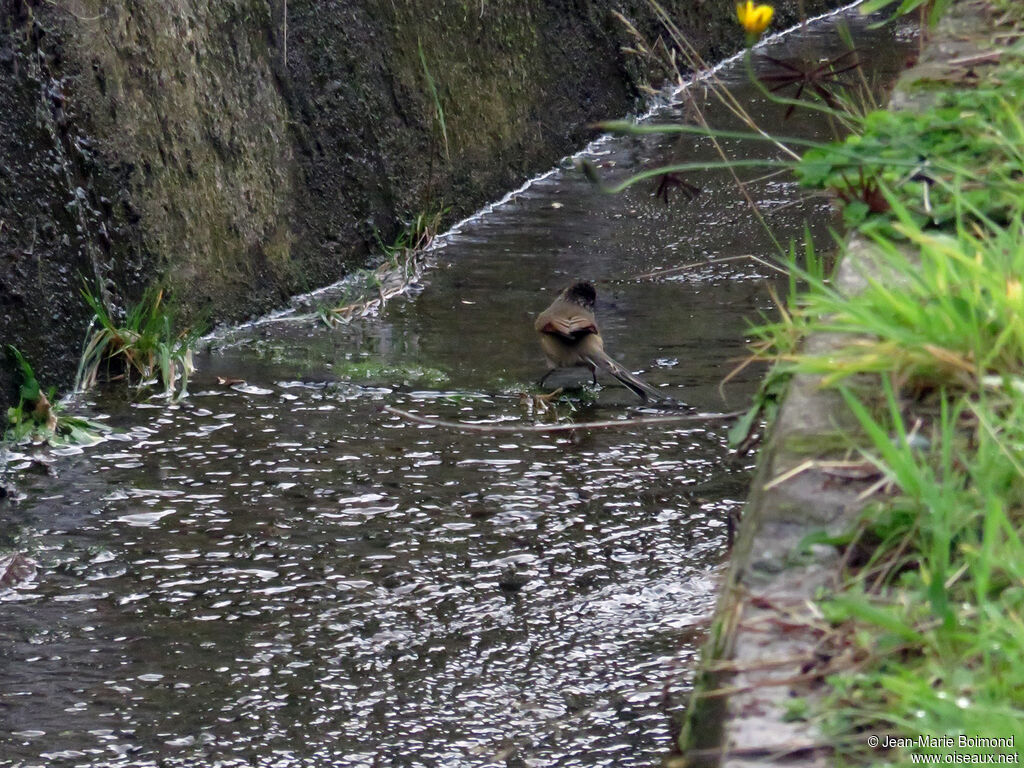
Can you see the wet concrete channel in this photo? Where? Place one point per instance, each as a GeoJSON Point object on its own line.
{"type": "Point", "coordinates": [280, 574]}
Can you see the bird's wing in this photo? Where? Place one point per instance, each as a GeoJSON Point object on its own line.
{"type": "Point", "coordinates": [570, 326]}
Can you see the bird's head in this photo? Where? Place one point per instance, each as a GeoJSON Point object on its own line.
{"type": "Point", "coordinates": [581, 293]}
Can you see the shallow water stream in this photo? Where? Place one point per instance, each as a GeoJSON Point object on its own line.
{"type": "Point", "coordinates": [277, 573]}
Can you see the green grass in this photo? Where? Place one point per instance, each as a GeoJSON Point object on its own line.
{"type": "Point", "coordinates": [938, 192]}
{"type": "Point", "coordinates": [934, 616]}
{"type": "Point", "coordinates": [368, 290]}
{"type": "Point", "coordinates": [940, 309]}
{"type": "Point", "coordinates": [1010, 11]}
{"type": "Point", "coordinates": [436, 100]}
{"type": "Point", "coordinates": [143, 348]}
{"type": "Point", "coordinates": [930, 613]}
{"type": "Point", "coordinates": [40, 418]}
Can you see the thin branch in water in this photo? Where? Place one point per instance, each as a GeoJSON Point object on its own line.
{"type": "Point", "coordinates": [766, 177]}
{"type": "Point", "coordinates": [643, 421]}
{"type": "Point", "coordinates": [698, 264]}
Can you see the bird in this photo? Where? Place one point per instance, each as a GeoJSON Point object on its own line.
{"type": "Point", "coordinates": [570, 337]}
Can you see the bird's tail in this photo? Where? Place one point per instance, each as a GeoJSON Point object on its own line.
{"type": "Point", "coordinates": [642, 389]}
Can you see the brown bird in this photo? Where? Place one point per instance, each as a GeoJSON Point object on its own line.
{"type": "Point", "coordinates": [569, 337]}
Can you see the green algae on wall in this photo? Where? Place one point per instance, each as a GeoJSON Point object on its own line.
{"type": "Point", "coordinates": [185, 96]}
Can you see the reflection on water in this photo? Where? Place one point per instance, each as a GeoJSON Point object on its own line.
{"type": "Point", "coordinates": [279, 574]}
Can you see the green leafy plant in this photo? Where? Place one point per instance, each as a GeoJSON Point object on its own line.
{"type": "Point", "coordinates": [930, 616]}
{"type": "Point", "coordinates": [964, 153]}
{"type": "Point", "coordinates": [144, 345]}
{"type": "Point", "coordinates": [38, 417]}
{"type": "Point", "coordinates": [926, 343]}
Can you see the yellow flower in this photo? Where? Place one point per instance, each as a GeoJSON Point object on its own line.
{"type": "Point", "coordinates": [1013, 290]}
{"type": "Point", "coordinates": [754, 18]}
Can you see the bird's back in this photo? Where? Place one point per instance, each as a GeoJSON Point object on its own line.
{"type": "Point", "coordinates": [566, 319]}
